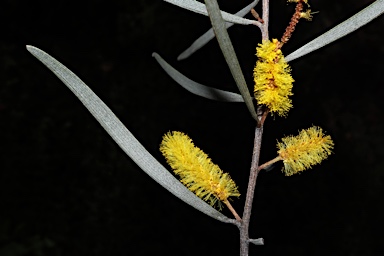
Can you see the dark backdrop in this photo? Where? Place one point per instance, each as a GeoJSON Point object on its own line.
{"type": "Point", "coordinates": [67, 189]}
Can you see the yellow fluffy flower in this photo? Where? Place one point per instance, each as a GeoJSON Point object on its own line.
{"type": "Point", "coordinates": [301, 152]}
{"type": "Point", "coordinates": [307, 14]}
{"type": "Point", "coordinates": [273, 81]}
{"type": "Point", "coordinates": [196, 170]}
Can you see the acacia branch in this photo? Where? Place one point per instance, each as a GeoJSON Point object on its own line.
{"type": "Point", "coordinates": [244, 228]}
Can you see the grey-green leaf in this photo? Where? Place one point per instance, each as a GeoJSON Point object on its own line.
{"type": "Point", "coordinates": [226, 47]}
{"type": "Point", "coordinates": [196, 88]}
{"type": "Point", "coordinates": [209, 35]}
{"type": "Point", "coordinates": [356, 21]}
{"type": "Point", "coordinates": [123, 137]}
{"type": "Point", "coordinates": [195, 6]}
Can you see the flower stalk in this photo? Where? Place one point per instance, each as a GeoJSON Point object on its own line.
{"type": "Point", "coordinates": [233, 211]}
{"type": "Point", "coordinates": [270, 162]}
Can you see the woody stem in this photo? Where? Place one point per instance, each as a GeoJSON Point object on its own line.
{"type": "Point", "coordinates": [244, 228]}
{"type": "Point", "coordinates": [264, 30]}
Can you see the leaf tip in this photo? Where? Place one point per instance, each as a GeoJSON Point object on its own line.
{"type": "Point", "coordinates": [29, 47]}
{"type": "Point", "coordinates": [182, 56]}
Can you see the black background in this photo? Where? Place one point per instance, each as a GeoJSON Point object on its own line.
{"type": "Point", "coordinates": [67, 189]}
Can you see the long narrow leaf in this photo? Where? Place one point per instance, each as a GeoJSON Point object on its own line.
{"type": "Point", "coordinates": [198, 7]}
{"type": "Point", "coordinates": [123, 137]}
{"type": "Point", "coordinates": [226, 46]}
{"type": "Point", "coordinates": [209, 35]}
{"type": "Point", "coordinates": [196, 88]}
{"type": "Point", "coordinates": [360, 19]}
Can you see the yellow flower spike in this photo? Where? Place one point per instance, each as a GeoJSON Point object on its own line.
{"type": "Point", "coordinates": [196, 170]}
{"type": "Point", "coordinates": [301, 152]}
{"type": "Point", "coordinates": [273, 81]}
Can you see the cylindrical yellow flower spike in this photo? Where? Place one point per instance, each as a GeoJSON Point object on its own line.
{"type": "Point", "coordinates": [196, 170]}
{"type": "Point", "coordinates": [273, 81]}
{"type": "Point", "coordinates": [301, 152]}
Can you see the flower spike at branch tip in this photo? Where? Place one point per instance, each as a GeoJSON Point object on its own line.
{"type": "Point", "coordinates": [273, 81]}
{"type": "Point", "coordinates": [196, 170]}
{"type": "Point", "coordinates": [272, 74]}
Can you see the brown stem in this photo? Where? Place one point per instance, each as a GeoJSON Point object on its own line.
{"type": "Point", "coordinates": [264, 116]}
{"type": "Point", "coordinates": [244, 228]}
{"type": "Point", "coordinates": [263, 166]}
{"type": "Point", "coordinates": [233, 211]}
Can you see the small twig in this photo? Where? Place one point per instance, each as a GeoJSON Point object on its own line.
{"type": "Point", "coordinates": [256, 16]}
{"type": "Point", "coordinates": [265, 165]}
{"type": "Point", "coordinates": [233, 211]}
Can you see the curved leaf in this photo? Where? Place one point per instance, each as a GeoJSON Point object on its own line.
{"type": "Point", "coordinates": [196, 88]}
{"type": "Point", "coordinates": [123, 137]}
{"type": "Point", "coordinates": [356, 21]}
{"type": "Point", "coordinates": [229, 53]}
{"type": "Point", "coordinates": [195, 6]}
{"type": "Point", "coordinates": [209, 35]}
